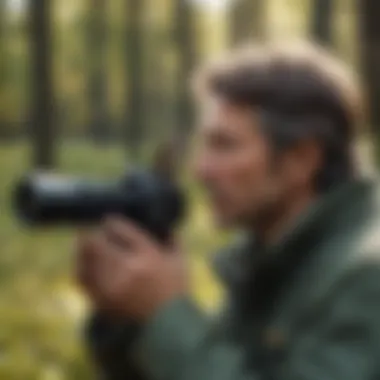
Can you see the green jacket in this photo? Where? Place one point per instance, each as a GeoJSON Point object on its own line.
{"type": "Point", "coordinates": [307, 308]}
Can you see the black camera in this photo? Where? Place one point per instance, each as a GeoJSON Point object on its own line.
{"type": "Point", "coordinates": [154, 202]}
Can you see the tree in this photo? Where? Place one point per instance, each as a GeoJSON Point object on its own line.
{"type": "Point", "coordinates": [369, 42]}
{"type": "Point", "coordinates": [134, 64]}
{"type": "Point", "coordinates": [2, 39]}
{"type": "Point", "coordinates": [2, 60]}
{"type": "Point", "coordinates": [186, 52]}
{"type": "Point", "coordinates": [321, 28]}
{"type": "Point", "coordinates": [247, 20]}
{"type": "Point", "coordinates": [99, 130]}
{"type": "Point", "coordinates": [42, 99]}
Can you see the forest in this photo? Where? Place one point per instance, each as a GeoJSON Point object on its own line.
{"type": "Point", "coordinates": [90, 87]}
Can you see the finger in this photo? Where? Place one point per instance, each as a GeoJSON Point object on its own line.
{"type": "Point", "coordinates": [125, 233]}
{"type": "Point", "coordinates": [111, 259]}
{"type": "Point", "coordinates": [84, 259]}
{"type": "Point", "coordinates": [113, 246]}
{"type": "Point", "coordinates": [175, 245]}
{"type": "Point", "coordinates": [111, 274]}
{"type": "Point", "coordinates": [94, 257]}
{"type": "Point", "coordinates": [82, 252]}
{"type": "Point", "coordinates": [97, 270]}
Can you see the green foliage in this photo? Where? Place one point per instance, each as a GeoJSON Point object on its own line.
{"type": "Point", "coordinates": [72, 58]}
{"type": "Point", "coordinates": [41, 312]}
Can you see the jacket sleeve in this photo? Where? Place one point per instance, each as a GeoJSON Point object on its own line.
{"type": "Point", "coordinates": [109, 345]}
{"type": "Point", "coordinates": [341, 344]}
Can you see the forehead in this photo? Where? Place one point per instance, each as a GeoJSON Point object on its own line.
{"type": "Point", "coordinates": [217, 113]}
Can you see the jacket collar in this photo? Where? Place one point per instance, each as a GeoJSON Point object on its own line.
{"type": "Point", "coordinates": [321, 220]}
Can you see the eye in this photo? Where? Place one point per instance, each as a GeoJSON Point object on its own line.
{"type": "Point", "coordinates": [223, 142]}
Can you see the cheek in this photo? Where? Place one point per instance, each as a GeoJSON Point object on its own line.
{"type": "Point", "coordinates": [211, 167]}
{"type": "Point", "coordinates": [247, 173]}
{"type": "Point", "coordinates": [236, 174]}
{"type": "Point", "coordinates": [203, 167]}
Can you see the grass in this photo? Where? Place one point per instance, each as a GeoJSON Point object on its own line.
{"type": "Point", "coordinates": [41, 311]}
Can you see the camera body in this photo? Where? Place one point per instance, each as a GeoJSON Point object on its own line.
{"type": "Point", "coordinates": [154, 202]}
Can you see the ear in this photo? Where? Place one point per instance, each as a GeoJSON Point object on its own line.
{"type": "Point", "coordinates": [304, 160]}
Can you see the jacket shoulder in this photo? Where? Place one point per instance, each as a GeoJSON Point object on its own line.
{"type": "Point", "coordinates": [366, 247]}
{"type": "Point", "coordinates": [355, 250]}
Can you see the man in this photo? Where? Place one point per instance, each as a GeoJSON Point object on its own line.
{"type": "Point", "coordinates": [277, 129]}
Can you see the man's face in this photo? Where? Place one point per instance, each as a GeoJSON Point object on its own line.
{"type": "Point", "coordinates": [235, 165]}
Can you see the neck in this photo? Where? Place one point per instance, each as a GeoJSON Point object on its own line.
{"type": "Point", "coordinates": [271, 228]}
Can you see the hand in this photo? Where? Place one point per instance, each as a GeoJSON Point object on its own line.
{"type": "Point", "coordinates": [126, 273]}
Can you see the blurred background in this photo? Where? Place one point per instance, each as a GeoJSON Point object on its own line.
{"type": "Point", "coordinates": [88, 87]}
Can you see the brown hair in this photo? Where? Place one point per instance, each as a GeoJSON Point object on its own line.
{"type": "Point", "coordinates": [300, 91]}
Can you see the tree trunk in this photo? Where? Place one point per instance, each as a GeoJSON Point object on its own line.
{"type": "Point", "coordinates": [186, 53]}
{"type": "Point", "coordinates": [42, 99]}
{"type": "Point", "coordinates": [134, 62]}
{"type": "Point", "coordinates": [247, 21]}
{"type": "Point", "coordinates": [369, 42]}
{"type": "Point", "coordinates": [99, 129]}
{"type": "Point", "coordinates": [321, 28]}
{"type": "Point", "coordinates": [2, 63]}
{"type": "Point", "coordinates": [2, 43]}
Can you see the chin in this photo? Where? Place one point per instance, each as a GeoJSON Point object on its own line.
{"type": "Point", "coordinates": [229, 221]}
{"type": "Point", "coordinates": [225, 221]}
